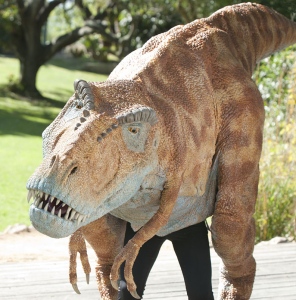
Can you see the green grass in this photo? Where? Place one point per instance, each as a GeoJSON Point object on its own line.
{"type": "Point", "coordinates": [21, 126]}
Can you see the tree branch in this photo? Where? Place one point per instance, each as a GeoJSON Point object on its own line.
{"type": "Point", "coordinates": [128, 35]}
{"type": "Point", "coordinates": [103, 14]}
{"type": "Point", "coordinates": [65, 40]}
{"type": "Point", "coordinates": [183, 12]}
{"type": "Point", "coordinates": [35, 6]}
{"type": "Point", "coordinates": [47, 9]}
{"type": "Point", "coordinates": [98, 27]}
{"type": "Point", "coordinates": [84, 9]}
{"type": "Point", "coordinates": [20, 4]}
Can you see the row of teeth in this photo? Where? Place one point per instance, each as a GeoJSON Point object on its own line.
{"type": "Point", "coordinates": [71, 213]}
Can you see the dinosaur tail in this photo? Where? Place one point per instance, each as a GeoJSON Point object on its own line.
{"type": "Point", "coordinates": [255, 30]}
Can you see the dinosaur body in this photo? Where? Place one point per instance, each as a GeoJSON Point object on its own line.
{"type": "Point", "coordinates": [188, 146]}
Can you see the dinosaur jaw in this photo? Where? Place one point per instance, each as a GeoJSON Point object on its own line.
{"type": "Point", "coordinates": [52, 216]}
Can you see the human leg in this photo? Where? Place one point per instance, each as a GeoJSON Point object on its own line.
{"type": "Point", "coordinates": [191, 245]}
{"type": "Point", "coordinates": [142, 266]}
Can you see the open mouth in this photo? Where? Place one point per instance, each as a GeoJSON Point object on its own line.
{"type": "Point", "coordinates": [55, 206]}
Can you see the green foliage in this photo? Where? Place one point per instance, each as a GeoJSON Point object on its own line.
{"type": "Point", "coordinates": [276, 205]}
{"type": "Point", "coordinates": [63, 19]}
{"type": "Point", "coordinates": [9, 22]}
{"type": "Point", "coordinates": [21, 126]}
{"type": "Point", "coordinates": [285, 7]}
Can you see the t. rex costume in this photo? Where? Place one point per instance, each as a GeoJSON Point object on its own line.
{"type": "Point", "coordinates": [173, 136]}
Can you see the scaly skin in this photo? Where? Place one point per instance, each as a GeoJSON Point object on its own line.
{"type": "Point", "coordinates": [196, 80]}
{"type": "Point", "coordinates": [106, 236]}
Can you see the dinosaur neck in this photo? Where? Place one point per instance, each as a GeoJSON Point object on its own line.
{"type": "Point", "coordinates": [256, 31]}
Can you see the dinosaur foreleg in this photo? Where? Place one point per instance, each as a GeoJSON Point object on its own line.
{"type": "Point", "coordinates": [233, 227]}
{"type": "Point", "coordinates": [106, 236]}
{"type": "Point", "coordinates": [131, 249]}
{"type": "Point", "coordinates": [77, 244]}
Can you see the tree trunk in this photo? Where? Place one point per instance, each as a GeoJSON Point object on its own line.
{"type": "Point", "coordinates": [29, 67]}
{"type": "Point", "coordinates": [26, 36]}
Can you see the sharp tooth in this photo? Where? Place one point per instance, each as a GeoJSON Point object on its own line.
{"type": "Point", "coordinates": [84, 218]}
{"type": "Point", "coordinates": [59, 213]}
{"type": "Point", "coordinates": [46, 206]}
{"type": "Point", "coordinates": [52, 211]}
{"type": "Point", "coordinates": [37, 202]}
{"type": "Point", "coordinates": [29, 196]}
{"type": "Point", "coordinates": [45, 196]}
{"type": "Point", "coordinates": [67, 213]}
{"type": "Point", "coordinates": [58, 201]}
{"type": "Point", "coordinates": [79, 219]}
{"type": "Point", "coordinates": [51, 198]}
{"type": "Point", "coordinates": [41, 194]}
{"type": "Point", "coordinates": [72, 214]}
{"type": "Point", "coordinates": [63, 204]}
{"type": "Point", "coordinates": [40, 206]}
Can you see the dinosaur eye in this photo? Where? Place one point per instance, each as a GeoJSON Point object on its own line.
{"type": "Point", "coordinates": [133, 130]}
{"type": "Point", "coordinates": [79, 105]}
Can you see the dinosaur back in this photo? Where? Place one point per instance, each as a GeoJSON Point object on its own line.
{"type": "Point", "coordinates": [256, 31]}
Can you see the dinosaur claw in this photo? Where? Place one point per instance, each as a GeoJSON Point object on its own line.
{"type": "Point", "coordinates": [87, 278]}
{"type": "Point", "coordinates": [115, 285]}
{"type": "Point", "coordinates": [75, 288]}
{"type": "Point", "coordinates": [135, 295]}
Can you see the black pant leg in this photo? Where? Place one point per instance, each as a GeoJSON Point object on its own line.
{"type": "Point", "coordinates": [191, 245]}
{"type": "Point", "coordinates": [142, 266]}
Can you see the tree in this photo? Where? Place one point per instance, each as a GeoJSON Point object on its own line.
{"type": "Point", "coordinates": [25, 22]}
{"type": "Point", "coordinates": [190, 10]}
{"type": "Point", "coordinates": [150, 17]}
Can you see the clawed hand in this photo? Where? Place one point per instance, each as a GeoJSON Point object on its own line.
{"type": "Point", "coordinates": [128, 254]}
{"type": "Point", "coordinates": [77, 244]}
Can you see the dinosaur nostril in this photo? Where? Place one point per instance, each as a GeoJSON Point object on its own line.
{"type": "Point", "coordinates": [52, 161]}
{"type": "Point", "coordinates": [73, 170]}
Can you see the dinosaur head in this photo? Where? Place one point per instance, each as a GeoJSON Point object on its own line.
{"type": "Point", "coordinates": [96, 154]}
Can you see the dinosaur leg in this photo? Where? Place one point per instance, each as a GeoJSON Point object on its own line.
{"type": "Point", "coordinates": [106, 236]}
{"type": "Point", "coordinates": [77, 244]}
{"type": "Point", "coordinates": [233, 227]}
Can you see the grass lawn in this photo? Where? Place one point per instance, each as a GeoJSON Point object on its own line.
{"type": "Point", "coordinates": [21, 126]}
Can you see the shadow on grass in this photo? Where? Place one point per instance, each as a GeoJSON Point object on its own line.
{"type": "Point", "coordinates": [18, 119]}
{"type": "Point", "coordinates": [76, 64]}
{"type": "Point", "coordinates": [84, 64]}
{"type": "Point", "coordinates": [16, 123]}
{"type": "Point", "coordinates": [44, 102]}
{"type": "Point", "coordinates": [58, 95]}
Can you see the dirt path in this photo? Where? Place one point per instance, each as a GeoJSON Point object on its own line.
{"type": "Point", "coordinates": [31, 246]}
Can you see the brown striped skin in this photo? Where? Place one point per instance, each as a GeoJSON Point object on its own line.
{"type": "Point", "coordinates": [106, 236]}
{"type": "Point", "coordinates": [197, 78]}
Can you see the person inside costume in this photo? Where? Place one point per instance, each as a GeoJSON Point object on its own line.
{"type": "Point", "coordinates": [191, 246]}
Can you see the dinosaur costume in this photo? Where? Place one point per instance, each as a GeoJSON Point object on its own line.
{"type": "Point", "coordinates": [173, 136]}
